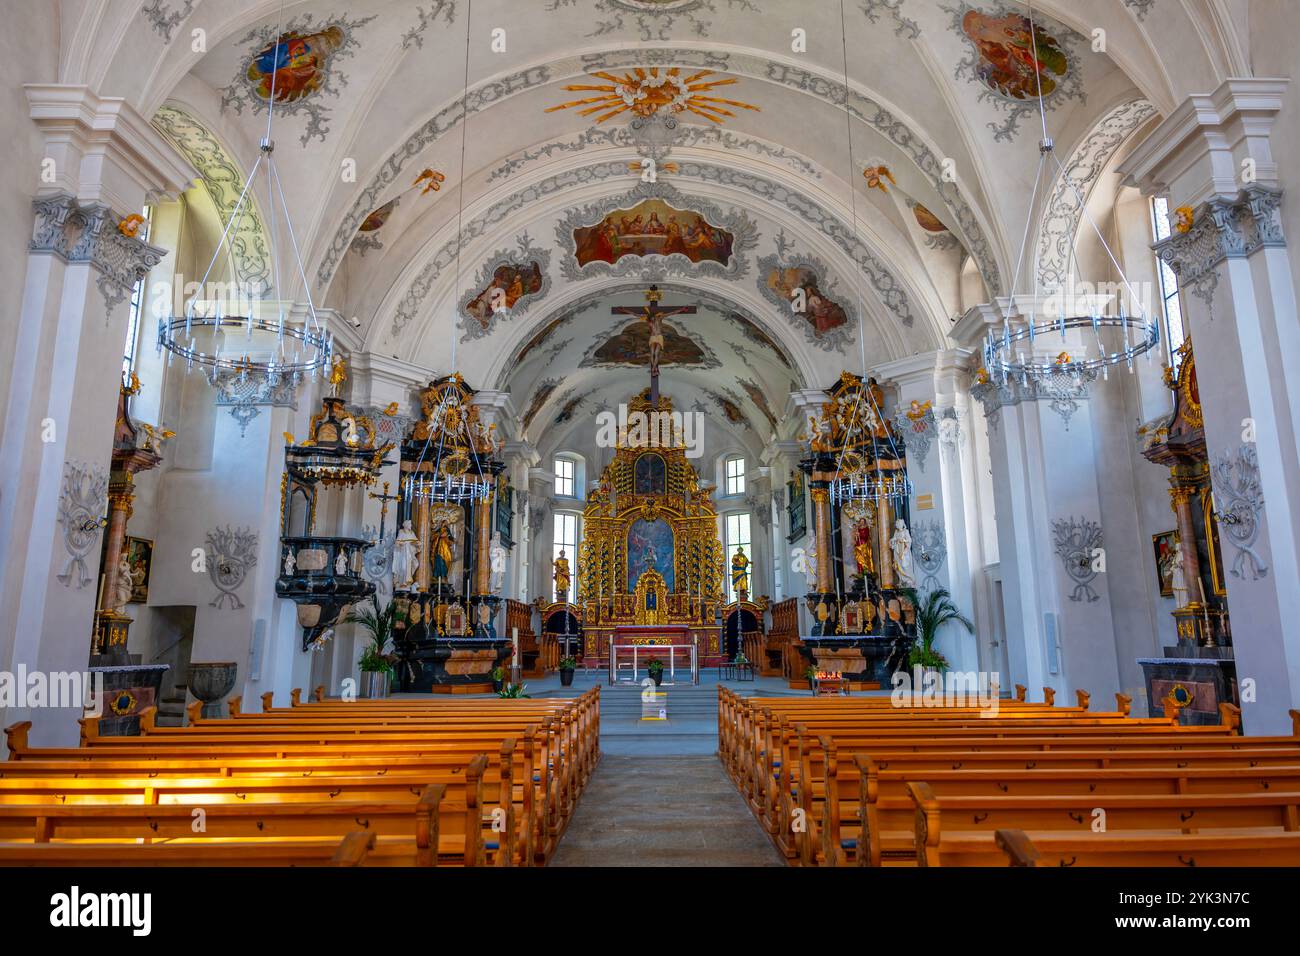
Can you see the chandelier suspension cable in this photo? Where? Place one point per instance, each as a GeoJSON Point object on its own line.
{"type": "Point", "coordinates": [862, 306]}
{"type": "Point", "coordinates": [313, 334]}
{"type": "Point", "coordinates": [440, 412]}
{"type": "Point", "coordinates": [997, 350]}
{"type": "Point", "coordinates": [460, 191]}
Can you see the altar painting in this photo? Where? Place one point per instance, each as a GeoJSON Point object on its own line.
{"type": "Point", "coordinates": [651, 476]}
{"type": "Point", "coordinates": [650, 546]}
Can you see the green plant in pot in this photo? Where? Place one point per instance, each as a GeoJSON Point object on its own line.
{"type": "Point", "coordinates": [933, 611]}
{"type": "Point", "coordinates": [498, 678]}
{"type": "Point", "coordinates": [655, 668]}
{"type": "Point", "coordinates": [567, 666]}
{"type": "Point", "coordinates": [377, 661]}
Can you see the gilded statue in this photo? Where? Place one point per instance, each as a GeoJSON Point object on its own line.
{"type": "Point", "coordinates": [562, 575]}
{"type": "Point", "coordinates": [740, 572]}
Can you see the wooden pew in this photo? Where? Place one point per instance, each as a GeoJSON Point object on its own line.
{"type": "Point", "coordinates": [843, 808]}
{"type": "Point", "coordinates": [1130, 848]}
{"type": "Point", "coordinates": [975, 818]}
{"type": "Point", "coordinates": [358, 848]}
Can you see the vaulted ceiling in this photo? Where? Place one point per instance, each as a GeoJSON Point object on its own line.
{"type": "Point", "coordinates": [881, 206]}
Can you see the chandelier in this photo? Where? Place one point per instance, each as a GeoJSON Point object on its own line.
{"type": "Point", "coordinates": [1012, 354]}
{"type": "Point", "coordinates": [231, 341]}
{"type": "Point", "coordinates": [450, 454]}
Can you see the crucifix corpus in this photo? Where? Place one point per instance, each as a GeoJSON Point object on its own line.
{"type": "Point", "coordinates": [653, 315]}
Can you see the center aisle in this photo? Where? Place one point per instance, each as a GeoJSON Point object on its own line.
{"type": "Point", "coordinates": [659, 796]}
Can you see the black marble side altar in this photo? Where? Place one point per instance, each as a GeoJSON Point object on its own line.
{"type": "Point", "coordinates": [860, 658]}
{"type": "Point", "coordinates": [1199, 678]}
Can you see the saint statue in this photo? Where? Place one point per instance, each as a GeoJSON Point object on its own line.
{"type": "Point", "coordinates": [1178, 576]}
{"type": "Point", "coordinates": [740, 572]}
{"type": "Point", "coordinates": [810, 562]}
{"type": "Point", "coordinates": [498, 556]}
{"type": "Point", "coordinates": [122, 584]}
{"type": "Point", "coordinates": [901, 545]}
{"type": "Point", "coordinates": [862, 548]}
{"type": "Point", "coordinates": [290, 562]}
{"type": "Point", "coordinates": [441, 548]}
{"type": "Point", "coordinates": [341, 562]}
{"type": "Point", "coordinates": [404, 559]}
{"type": "Point", "coordinates": [562, 578]}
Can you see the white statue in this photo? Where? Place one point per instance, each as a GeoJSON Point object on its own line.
{"type": "Point", "coordinates": [404, 549]}
{"type": "Point", "coordinates": [290, 562]}
{"type": "Point", "coordinates": [499, 556]}
{"type": "Point", "coordinates": [122, 584]}
{"type": "Point", "coordinates": [1178, 576]}
{"type": "Point", "coordinates": [901, 545]}
{"type": "Point", "coordinates": [341, 562]}
{"type": "Point", "coordinates": [810, 561]}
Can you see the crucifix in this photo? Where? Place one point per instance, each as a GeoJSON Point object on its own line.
{"type": "Point", "coordinates": [653, 315]}
{"type": "Point", "coordinates": [383, 510]}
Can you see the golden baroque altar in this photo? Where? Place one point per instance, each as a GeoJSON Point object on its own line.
{"type": "Point", "coordinates": [650, 555]}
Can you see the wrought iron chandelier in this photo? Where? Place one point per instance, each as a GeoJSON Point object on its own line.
{"type": "Point", "coordinates": [1005, 355]}
{"type": "Point", "coordinates": [234, 342]}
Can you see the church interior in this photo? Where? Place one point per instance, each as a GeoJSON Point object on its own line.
{"type": "Point", "coordinates": [491, 412]}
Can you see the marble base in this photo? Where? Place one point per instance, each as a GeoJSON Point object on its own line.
{"type": "Point", "coordinates": [1209, 681]}
{"type": "Point", "coordinates": [445, 663]}
{"type": "Point", "coordinates": [128, 689]}
{"type": "Point", "coordinates": [860, 659]}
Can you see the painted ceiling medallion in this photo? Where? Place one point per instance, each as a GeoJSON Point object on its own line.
{"type": "Point", "coordinates": [298, 64]}
{"type": "Point", "coordinates": [1016, 64]}
{"type": "Point", "coordinates": [647, 92]}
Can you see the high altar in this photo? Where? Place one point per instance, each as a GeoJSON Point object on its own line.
{"type": "Point", "coordinates": [650, 565]}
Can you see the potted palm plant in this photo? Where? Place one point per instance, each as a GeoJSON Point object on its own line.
{"type": "Point", "coordinates": [655, 668]}
{"type": "Point", "coordinates": [567, 666]}
{"type": "Point", "coordinates": [932, 612]}
{"type": "Point", "coordinates": [376, 663]}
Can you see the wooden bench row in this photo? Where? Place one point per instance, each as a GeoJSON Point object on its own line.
{"type": "Point", "coordinates": [833, 781]}
{"type": "Point", "coordinates": [505, 782]}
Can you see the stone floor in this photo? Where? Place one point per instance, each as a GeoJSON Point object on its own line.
{"type": "Point", "coordinates": [659, 796]}
{"type": "Point", "coordinates": [663, 811]}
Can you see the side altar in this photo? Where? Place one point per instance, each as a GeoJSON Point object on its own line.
{"type": "Point", "coordinates": [650, 565]}
{"type": "Point", "coordinates": [444, 630]}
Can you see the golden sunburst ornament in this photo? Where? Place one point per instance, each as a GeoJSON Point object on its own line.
{"type": "Point", "coordinates": [649, 91]}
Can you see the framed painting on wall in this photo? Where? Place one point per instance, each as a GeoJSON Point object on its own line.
{"type": "Point", "coordinates": [139, 557]}
{"type": "Point", "coordinates": [1163, 544]}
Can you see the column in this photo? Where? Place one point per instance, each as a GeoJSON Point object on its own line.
{"type": "Point", "coordinates": [1050, 523]}
{"type": "Point", "coordinates": [1213, 156]}
{"type": "Point", "coordinates": [58, 429]}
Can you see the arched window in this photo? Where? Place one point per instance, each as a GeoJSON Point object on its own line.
{"type": "Point", "coordinates": [735, 475]}
{"type": "Point", "coordinates": [566, 540]}
{"type": "Point", "coordinates": [737, 537]}
{"type": "Point", "coordinates": [1171, 307]}
{"type": "Point", "coordinates": [566, 473]}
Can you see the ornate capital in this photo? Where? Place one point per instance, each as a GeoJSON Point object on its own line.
{"type": "Point", "coordinates": [1063, 391]}
{"type": "Point", "coordinates": [89, 234]}
{"type": "Point", "coordinates": [1225, 229]}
